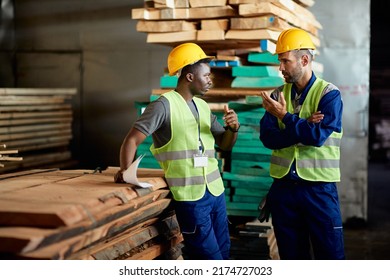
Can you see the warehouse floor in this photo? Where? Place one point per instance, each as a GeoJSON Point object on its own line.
{"type": "Point", "coordinates": [371, 240]}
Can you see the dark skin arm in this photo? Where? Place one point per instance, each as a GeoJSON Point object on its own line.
{"type": "Point", "coordinates": [127, 152]}
{"type": "Point", "coordinates": [228, 138]}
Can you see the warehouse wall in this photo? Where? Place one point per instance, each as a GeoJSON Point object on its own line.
{"type": "Point", "coordinates": [93, 46]}
{"type": "Point", "coordinates": [345, 54]}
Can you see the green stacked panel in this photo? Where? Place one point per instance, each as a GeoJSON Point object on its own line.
{"type": "Point", "coordinates": [248, 179]}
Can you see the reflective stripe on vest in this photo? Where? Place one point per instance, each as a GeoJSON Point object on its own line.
{"type": "Point", "coordinates": [186, 182]}
{"type": "Point", "coordinates": [312, 163]}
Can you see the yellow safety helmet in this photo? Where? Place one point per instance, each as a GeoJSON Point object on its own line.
{"type": "Point", "coordinates": [293, 39]}
{"type": "Point", "coordinates": [183, 55]}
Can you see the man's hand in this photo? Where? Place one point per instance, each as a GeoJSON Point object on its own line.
{"type": "Point", "coordinates": [230, 118]}
{"type": "Point", "coordinates": [316, 117]}
{"type": "Point", "coordinates": [275, 108]}
{"type": "Point", "coordinates": [265, 210]}
{"type": "Point", "coordinates": [118, 178]}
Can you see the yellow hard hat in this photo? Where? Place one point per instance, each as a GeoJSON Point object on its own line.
{"type": "Point", "coordinates": [293, 39]}
{"type": "Point", "coordinates": [183, 55]}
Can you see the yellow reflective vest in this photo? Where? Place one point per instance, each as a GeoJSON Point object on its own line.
{"type": "Point", "coordinates": [312, 163]}
{"type": "Point", "coordinates": [176, 158]}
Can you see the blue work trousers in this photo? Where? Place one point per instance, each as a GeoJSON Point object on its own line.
{"type": "Point", "coordinates": [306, 220]}
{"type": "Point", "coordinates": [205, 229]}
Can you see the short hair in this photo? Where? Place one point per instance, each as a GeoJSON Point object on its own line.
{"type": "Point", "coordinates": [192, 68]}
{"type": "Point", "coordinates": [309, 52]}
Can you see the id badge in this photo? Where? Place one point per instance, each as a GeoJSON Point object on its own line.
{"type": "Point", "coordinates": [200, 161]}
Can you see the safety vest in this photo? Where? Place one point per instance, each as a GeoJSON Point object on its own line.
{"type": "Point", "coordinates": [312, 163]}
{"type": "Point", "coordinates": [176, 158]}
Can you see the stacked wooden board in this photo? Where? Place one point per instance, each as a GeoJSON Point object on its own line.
{"type": "Point", "coordinates": [82, 214]}
{"type": "Point", "coordinates": [247, 178]}
{"type": "Point", "coordinates": [254, 241]}
{"type": "Point", "coordinates": [38, 124]}
{"type": "Point", "coordinates": [7, 155]}
{"type": "Point", "coordinates": [222, 24]}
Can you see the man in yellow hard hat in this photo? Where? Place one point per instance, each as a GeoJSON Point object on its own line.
{"type": "Point", "coordinates": [184, 135]}
{"type": "Point", "coordinates": [303, 127]}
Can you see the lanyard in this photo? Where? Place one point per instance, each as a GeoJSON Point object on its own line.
{"type": "Point", "coordinates": [197, 118]}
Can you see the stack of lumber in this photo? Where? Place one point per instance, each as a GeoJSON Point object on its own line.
{"type": "Point", "coordinates": [38, 124]}
{"type": "Point", "coordinates": [239, 33]}
{"type": "Point", "coordinates": [247, 179]}
{"type": "Point", "coordinates": [81, 214]}
{"type": "Point", "coordinates": [222, 24]}
{"type": "Point", "coordinates": [7, 155]}
{"type": "Point", "coordinates": [254, 241]}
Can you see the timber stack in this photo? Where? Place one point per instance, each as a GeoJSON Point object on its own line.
{"type": "Point", "coordinates": [83, 214]}
{"type": "Point", "coordinates": [37, 123]}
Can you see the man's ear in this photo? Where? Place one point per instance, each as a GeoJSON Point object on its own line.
{"type": "Point", "coordinates": [305, 59]}
{"type": "Point", "coordinates": [190, 77]}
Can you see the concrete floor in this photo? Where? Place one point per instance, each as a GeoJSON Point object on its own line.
{"type": "Point", "coordinates": [370, 240]}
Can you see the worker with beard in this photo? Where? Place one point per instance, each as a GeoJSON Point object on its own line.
{"type": "Point", "coordinates": [184, 133]}
{"type": "Point", "coordinates": [303, 127]}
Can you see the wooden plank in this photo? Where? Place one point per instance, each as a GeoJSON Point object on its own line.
{"type": "Point", "coordinates": [165, 26]}
{"type": "Point", "coordinates": [29, 144]}
{"type": "Point", "coordinates": [207, 3]}
{"type": "Point", "coordinates": [22, 115]}
{"type": "Point", "coordinates": [210, 35]}
{"type": "Point", "coordinates": [121, 244]}
{"type": "Point", "coordinates": [259, 22]}
{"type": "Point", "coordinates": [214, 24]}
{"type": "Point", "coordinates": [6, 152]}
{"type": "Point", "coordinates": [41, 146]}
{"type": "Point", "coordinates": [38, 91]}
{"type": "Point", "coordinates": [111, 247]}
{"type": "Point", "coordinates": [198, 13]}
{"type": "Point", "coordinates": [172, 3]}
{"type": "Point", "coordinates": [62, 159]}
{"type": "Point", "coordinates": [254, 34]}
{"type": "Point", "coordinates": [97, 246]}
{"type": "Point", "coordinates": [32, 134]}
{"type": "Point", "coordinates": [169, 37]}
{"type": "Point", "coordinates": [156, 250]}
{"type": "Point", "coordinates": [26, 239]}
{"type": "Point", "coordinates": [147, 14]}
{"type": "Point", "coordinates": [14, 122]}
{"type": "Point", "coordinates": [289, 5]}
{"type": "Point", "coordinates": [42, 107]}
{"type": "Point", "coordinates": [35, 128]}
{"type": "Point", "coordinates": [250, 10]}
{"type": "Point", "coordinates": [17, 100]}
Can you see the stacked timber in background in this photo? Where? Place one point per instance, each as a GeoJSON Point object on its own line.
{"type": "Point", "coordinates": [81, 214]}
{"type": "Point", "coordinates": [38, 124]}
{"type": "Point", "coordinates": [7, 155]}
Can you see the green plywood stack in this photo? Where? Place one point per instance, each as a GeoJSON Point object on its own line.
{"type": "Point", "coordinates": [260, 72]}
{"type": "Point", "coordinates": [248, 179]}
